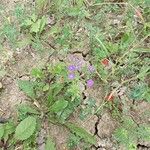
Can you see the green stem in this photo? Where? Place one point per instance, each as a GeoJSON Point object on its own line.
{"type": "Point", "coordinates": [103, 46]}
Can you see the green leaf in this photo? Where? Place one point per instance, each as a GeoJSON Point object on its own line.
{"type": "Point", "coordinates": [24, 42]}
{"type": "Point", "coordinates": [27, 87]}
{"type": "Point", "coordinates": [37, 73]}
{"type": "Point", "coordinates": [59, 106]}
{"type": "Point", "coordinates": [81, 133]}
{"type": "Point", "coordinates": [72, 105]}
{"type": "Point", "coordinates": [57, 88]}
{"type": "Point", "coordinates": [35, 28]}
{"type": "Point", "coordinates": [9, 129]}
{"type": "Point", "coordinates": [144, 71]}
{"type": "Point", "coordinates": [25, 128]}
{"type": "Point", "coordinates": [140, 92]}
{"type": "Point", "coordinates": [40, 4]}
{"type": "Point", "coordinates": [127, 134]}
{"type": "Point", "coordinates": [34, 17]}
{"type": "Point", "coordinates": [80, 2]}
{"type": "Point", "coordinates": [144, 132]}
{"type": "Point", "coordinates": [27, 22]}
{"type": "Point", "coordinates": [141, 50]}
{"type": "Point", "coordinates": [50, 145]}
{"type": "Point", "coordinates": [121, 135]}
{"type": "Point", "coordinates": [1, 131]}
{"type": "Point", "coordinates": [24, 108]}
{"type": "Point", "coordinates": [46, 87]}
{"type": "Point", "coordinates": [43, 23]}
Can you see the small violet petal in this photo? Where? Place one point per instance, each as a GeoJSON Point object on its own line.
{"type": "Point", "coordinates": [71, 68]}
{"type": "Point", "coordinates": [90, 83]}
{"type": "Point", "coordinates": [71, 76]}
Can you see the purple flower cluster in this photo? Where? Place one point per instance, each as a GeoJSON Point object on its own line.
{"type": "Point", "coordinates": [71, 69]}
{"type": "Point", "coordinates": [71, 75]}
{"type": "Point", "coordinates": [77, 64]}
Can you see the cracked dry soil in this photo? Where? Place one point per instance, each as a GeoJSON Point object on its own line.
{"type": "Point", "coordinates": [101, 126]}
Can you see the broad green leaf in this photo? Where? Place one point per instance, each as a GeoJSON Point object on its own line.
{"type": "Point", "coordinates": [1, 131]}
{"type": "Point", "coordinates": [24, 108]}
{"type": "Point", "coordinates": [26, 128]}
{"type": "Point", "coordinates": [9, 129]}
{"type": "Point", "coordinates": [59, 106]}
{"type": "Point", "coordinates": [81, 133]}
{"type": "Point", "coordinates": [50, 145]}
{"type": "Point", "coordinates": [27, 87]}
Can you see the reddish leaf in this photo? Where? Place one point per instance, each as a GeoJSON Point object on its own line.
{"type": "Point", "coordinates": [110, 97]}
{"type": "Point", "coordinates": [105, 62]}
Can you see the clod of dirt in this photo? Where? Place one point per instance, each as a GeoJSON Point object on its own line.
{"type": "Point", "coordinates": [143, 144]}
{"type": "Point", "coordinates": [141, 112]}
{"type": "Point", "coordinates": [10, 96]}
{"type": "Point", "coordinates": [60, 136]}
{"type": "Point", "coordinates": [88, 124]}
{"type": "Point", "coordinates": [104, 143]}
{"type": "Point", "coordinates": [25, 62]}
{"type": "Point", "coordinates": [106, 126]}
{"type": "Point", "coordinates": [95, 93]}
{"type": "Point", "coordinates": [41, 137]}
{"type": "Point", "coordinates": [42, 147]}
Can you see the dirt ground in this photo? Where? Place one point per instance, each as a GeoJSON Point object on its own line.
{"type": "Point", "coordinates": [18, 64]}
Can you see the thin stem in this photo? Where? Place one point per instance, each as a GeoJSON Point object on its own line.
{"type": "Point", "coordinates": [131, 49]}
{"type": "Point", "coordinates": [127, 52]}
{"type": "Point", "coordinates": [100, 77]}
{"type": "Point", "coordinates": [101, 43]}
{"type": "Point", "coordinates": [98, 109]}
{"type": "Point", "coordinates": [122, 83]}
{"type": "Point", "coordinates": [109, 3]}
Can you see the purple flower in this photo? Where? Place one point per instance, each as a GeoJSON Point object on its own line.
{"type": "Point", "coordinates": [90, 83]}
{"type": "Point", "coordinates": [71, 76]}
{"type": "Point", "coordinates": [91, 69]}
{"type": "Point", "coordinates": [71, 68]}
